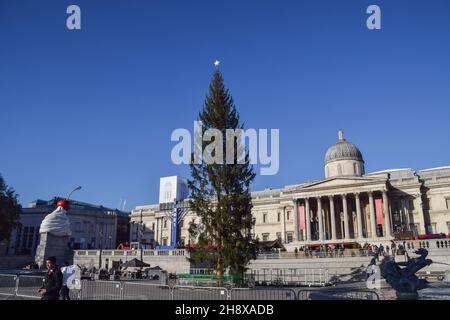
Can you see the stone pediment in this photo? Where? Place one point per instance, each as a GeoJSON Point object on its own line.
{"type": "Point", "coordinates": [338, 182]}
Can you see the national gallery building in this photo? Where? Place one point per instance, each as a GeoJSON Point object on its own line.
{"type": "Point", "coordinates": [349, 206]}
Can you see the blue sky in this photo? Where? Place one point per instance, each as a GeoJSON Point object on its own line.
{"type": "Point", "coordinates": [96, 107]}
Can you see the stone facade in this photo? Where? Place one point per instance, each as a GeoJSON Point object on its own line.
{"type": "Point", "coordinates": [173, 261]}
{"type": "Point", "coordinates": [93, 227]}
{"type": "Point", "coordinates": [347, 206]}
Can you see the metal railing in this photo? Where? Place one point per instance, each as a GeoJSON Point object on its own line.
{"type": "Point", "coordinates": [8, 284]}
{"type": "Point", "coordinates": [145, 291]}
{"type": "Point", "coordinates": [306, 294]}
{"type": "Point", "coordinates": [262, 294]}
{"type": "Point", "coordinates": [199, 293]}
{"type": "Point", "coordinates": [291, 277]}
{"type": "Point", "coordinates": [27, 286]}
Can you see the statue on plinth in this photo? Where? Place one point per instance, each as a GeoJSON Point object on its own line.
{"type": "Point", "coordinates": [54, 235]}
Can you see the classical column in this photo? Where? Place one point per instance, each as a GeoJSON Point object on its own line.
{"type": "Point", "coordinates": [333, 218]}
{"type": "Point", "coordinates": [387, 215]}
{"type": "Point", "coordinates": [358, 216]}
{"type": "Point", "coordinates": [296, 228]}
{"type": "Point", "coordinates": [373, 224]}
{"type": "Point", "coordinates": [410, 214]}
{"type": "Point", "coordinates": [422, 229]}
{"type": "Point", "coordinates": [346, 224]}
{"type": "Point", "coordinates": [405, 214]}
{"type": "Point", "coordinates": [319, 215]}
{"type": "Point", "coordinates": [308, 220]}
{"type": "Point", "coordinates": [283, 225]}
{"type": "Point", "coordinates": [155, 232]}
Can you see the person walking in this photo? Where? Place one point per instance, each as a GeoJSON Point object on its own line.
{"type": "Point", "coordinates": [296, 252]}
{"type": "Point", "coordinates": [394, 248]}
{"type": "Point", "coordinates": [371, 269]}
{"type": "Point", "coordinates": [66, 271]}
{"type": "Point", "coordinates": [52, 281]}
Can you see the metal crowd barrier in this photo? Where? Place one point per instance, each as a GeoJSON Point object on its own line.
{"type": "Point", "coordinates": [305, 294]}
{"type": "Point", "coordinates": [262, 294]}
{"type": "Point", "coordinates": [145, 291]}
{"type": "Point", "coordinates": [292, 277]}
{"type": "Point", "coordinates": [27, 286]}
{"type": "Point", "coordinates": [8, 284]}
{"type": "Point", "coordinates": [199, 293]}
{"type": "Point", "coordinates": [101, 290]}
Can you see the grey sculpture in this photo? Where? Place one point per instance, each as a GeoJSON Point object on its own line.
{"type": "Point", "coordinates": [404, 280]}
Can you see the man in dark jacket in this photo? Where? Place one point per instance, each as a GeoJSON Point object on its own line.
{"type": "Point", "coordinates": [52, 282]}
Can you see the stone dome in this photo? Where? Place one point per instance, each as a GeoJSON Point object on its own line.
{"type": "Point", "coordinates": [343, 150]}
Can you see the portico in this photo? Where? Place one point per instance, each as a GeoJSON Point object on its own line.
{"type": "Point", "coordinates": [331, 217]}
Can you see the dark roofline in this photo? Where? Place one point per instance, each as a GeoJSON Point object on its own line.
{"type": "Point", "coordinates": [40, 203]}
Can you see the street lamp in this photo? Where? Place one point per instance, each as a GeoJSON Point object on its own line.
{"type": "Point", "coordinates": [74, 190]}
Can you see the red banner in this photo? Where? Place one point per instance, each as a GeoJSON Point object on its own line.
{"type": "Point", "coordinates": [301, 210]}
{"type": "Point", "coordinates": [379, 211]}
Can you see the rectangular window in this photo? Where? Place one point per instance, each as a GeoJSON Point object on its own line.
{"type": "Point", "coordinates": [36, 240]}
{"type": "Point", "coordinates": [447, 201]}
{"type": "Point", "coordinates": [279, 217]}
{"type": "Point", "coordinates": [165, 223]}
{"type": "Point", "coordinates": [25, 237]}
{"type": "Point", "coordinates": [411, 205]}
{"type": "Point", "coordinates": [153, 226]}
{"type": "Point", "coordinates": [289, 237]}
{"type": "Point", "coordinates": [287, 215]}
{"type": "Point", "coordinates": [30, 238]}
{"type": "Point", "coordinates": [18, 237]}
{"type": "Point", "coordinates": [264, 217]}
{"type": "Point", "coordinates": [433, 228]}
{"type": "Point", "coordinates": [265, 236]}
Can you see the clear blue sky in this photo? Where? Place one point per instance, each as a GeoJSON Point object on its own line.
{"type": "Point", "coordinates": [96, 107]}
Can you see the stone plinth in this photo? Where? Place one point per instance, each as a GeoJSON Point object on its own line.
{"type": "Point", "coordinates": [435, 291]}
{"type": "Point", "coordinates": [51, 245]}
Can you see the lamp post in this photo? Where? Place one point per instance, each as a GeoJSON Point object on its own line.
{"type": "Point", "coordinates": [74, 190]}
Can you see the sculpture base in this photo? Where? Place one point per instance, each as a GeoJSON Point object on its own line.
{"type": "Point", "coordinates": [50, 245]}
{"type": "Point", "coordinates": [435, 291]}
{"type": "Point", "coordinates": [406, 295]}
